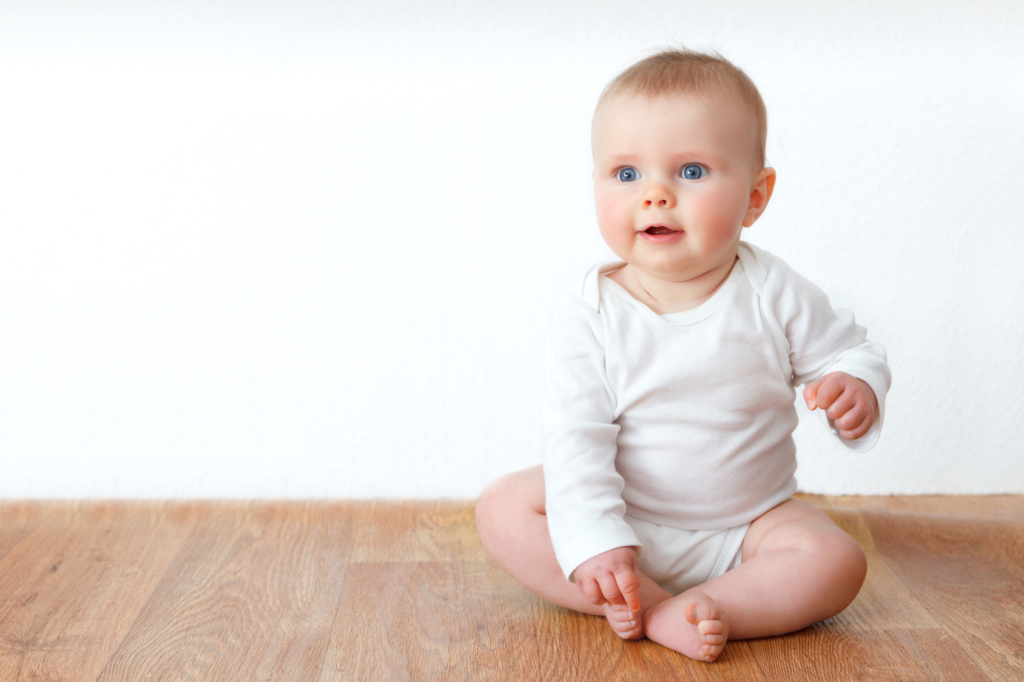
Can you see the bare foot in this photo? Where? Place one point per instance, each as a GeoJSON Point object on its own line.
{"type": "Point", "coordinates": [630, 624]}
{"type": "Point", "coordinates": [701, 636]}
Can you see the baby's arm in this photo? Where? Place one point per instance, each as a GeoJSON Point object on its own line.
{"type": "Point", "coordinates": [848, 401]}
{"type": "Point", "coordinates": [611, 577]}
{"type": "Point", "coordinates": [583, 490]}
{"type": "Point", "coordinates": [826, 350]}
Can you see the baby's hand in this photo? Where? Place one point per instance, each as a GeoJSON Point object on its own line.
{"type": "Point", "coordinates": [847, 400]}
{"type": "Point", "coordinates": [611, 577]}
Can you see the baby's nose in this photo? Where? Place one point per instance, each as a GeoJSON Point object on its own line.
{"type": "Point", "coordinates": [658, 195]}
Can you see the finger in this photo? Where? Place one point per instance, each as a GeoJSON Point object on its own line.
{"type": "Point", "coordinates": [629, 586]}
{"type": "Point", "coordinates": [848, 419]}
{"type": "Point", "coordinates": [609, 588]}
{"type": "Point", "coordinates": [860, 429]}
{"type": "Point", "coordinates": [870, 394]}
{"type": "Point", "coordinates": [828, 391]}
{"type": "Point", "coordinates": [811, 392]}
{"type": "Point", "coordinates": [592, 591]}
{"type": "Point", "coordinates": [843, 403]}
{"type": "Point", "coordinates": [851, 420]}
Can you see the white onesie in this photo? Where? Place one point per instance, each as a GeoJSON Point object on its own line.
{"type": "Point", "coordinates": [684, 420]}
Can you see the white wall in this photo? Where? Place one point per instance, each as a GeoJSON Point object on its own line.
{"type": "Point", "coordinates": [306, 248]}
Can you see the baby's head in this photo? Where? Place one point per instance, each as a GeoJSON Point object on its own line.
{"type": "Point", "coordinates": [679, 163]}
{"type": "Point", "coordinates": [710, 78]}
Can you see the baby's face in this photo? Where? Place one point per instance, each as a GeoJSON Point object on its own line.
{"type": "Point", "coordinates": [673, 178]}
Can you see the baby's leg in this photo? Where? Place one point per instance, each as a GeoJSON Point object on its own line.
{"type": "Point", "coordinates": [798, 568]}
{"type": "Point", "coordinates": [514, 530]}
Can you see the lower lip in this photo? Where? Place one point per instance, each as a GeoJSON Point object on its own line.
{"type": "Point", "coordinates": [662, 238]}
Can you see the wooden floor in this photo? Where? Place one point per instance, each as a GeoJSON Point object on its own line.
{"type": "Point", "coordinates": [403, 591]}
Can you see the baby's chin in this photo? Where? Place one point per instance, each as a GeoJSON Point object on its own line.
{"type": "Point", "coordinates": [673, 274]}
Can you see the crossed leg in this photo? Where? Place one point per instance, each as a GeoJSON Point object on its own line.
{"type": "Point", "coordinates": [797, 568]}
{"type": "Point", "coordinates": [513, 528]}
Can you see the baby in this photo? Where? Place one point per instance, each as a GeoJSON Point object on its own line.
{"type": "Point", "coordinates": [664, 501]}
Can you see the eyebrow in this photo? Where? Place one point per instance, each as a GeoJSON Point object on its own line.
{"type": "Point", "coordinates": [616, 159]}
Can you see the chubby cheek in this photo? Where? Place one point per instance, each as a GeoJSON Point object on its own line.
{"type": "Point", "coordinates": [615, 222]}
{"type": "Point", "coordinates": [717, 215]}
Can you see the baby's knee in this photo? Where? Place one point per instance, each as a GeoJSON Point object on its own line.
{"type": "Point", "coordinates": [507, 498]}
{"type": "Point", "coordinates": [849, 555]}
{"type": "Point", "coordinates": [495, 496]}
{"type": "Point", "coordinates": [492, 498]}
{"type": "Point", "coordinates": [849, 565]}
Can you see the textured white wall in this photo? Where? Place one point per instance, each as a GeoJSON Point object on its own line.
{"type": "Point", "coordinates": [309, 249]}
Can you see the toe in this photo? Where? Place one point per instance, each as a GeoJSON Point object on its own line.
{"type": "Point", "coordinates": [624, 623]}
{"type": "Point", "coordinates": [711, 627]}
{"type": "Point", "coordinates": [626, 629]}
{"type": "Point", "coordinates": [700, 611]}
{"type": "Point", "coordinates": [620, 617]}
{"type": "Point", "coordinates": [710, 652]}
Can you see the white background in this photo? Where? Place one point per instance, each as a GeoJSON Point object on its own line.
{"type": "Point", "coordinates": [309, 249]}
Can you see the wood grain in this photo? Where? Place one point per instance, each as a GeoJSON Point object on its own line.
{"type": "Point", "coordinates": [416, 531]}
{"type": "Point", "coordinates": [18, 519]}
{"type": "Point", "coordinates": [969, 574]}
{"type": "Point", "coordinates": [251, 596]}
{"type": "Point", "coordinates": [1007, 507]}
{"type": "Point", "coordinates": [823, 655]}
{"type": "Point", "coordinates": [884, 601]}
{"type": "Point", "coordinates": [75, 581]}
{"type": "Point", "coordinates": [329, 591]}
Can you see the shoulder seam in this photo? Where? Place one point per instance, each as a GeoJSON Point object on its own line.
{"type": "Point", "coordinates": [587, 288]}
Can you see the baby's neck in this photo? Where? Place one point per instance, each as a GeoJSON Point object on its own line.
{"type": "Point", "coordinates": [665, 296]}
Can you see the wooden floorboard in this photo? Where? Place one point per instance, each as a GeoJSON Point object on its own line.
{"type": "Point", "coordinates": [822, 654]}
{"type": "Point", "coordinates": [251, 596]}
{"type": "Point", "coordinates": [75, 581]}
{"type": "Point", "coordinates": [954, 566]}
{"type": "Point", "coordinates": [328, 591]}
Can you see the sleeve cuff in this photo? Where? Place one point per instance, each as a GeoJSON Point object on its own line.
{"type": "Point", "coordinates": [594, 543]}
{"type": "Point", "coordinates": [879, 383]}
{"type": "Point", "coordinates": [868, 440]}
{"type": "Point", "coordinates": [862, 444]}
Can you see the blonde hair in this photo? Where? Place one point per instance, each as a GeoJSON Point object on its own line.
{"type": "Point", "coordinates": [685, 72]}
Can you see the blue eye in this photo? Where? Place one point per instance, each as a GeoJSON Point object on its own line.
{"type": "Point", "coordinates": [627, 174]}
{"type": "Point", "coordinates": [694, 172]}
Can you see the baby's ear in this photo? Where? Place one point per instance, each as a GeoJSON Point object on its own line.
{"type": "Point", "coordinates": [764, 185]}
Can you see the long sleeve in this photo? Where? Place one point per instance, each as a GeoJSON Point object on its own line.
{"type": "Point", "coordinates": [822, 340]}
{"type": "Point", "coordinates": [583, 489]}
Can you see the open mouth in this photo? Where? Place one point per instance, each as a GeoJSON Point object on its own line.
{"type": "Point", "coordinates": [660, 229]}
